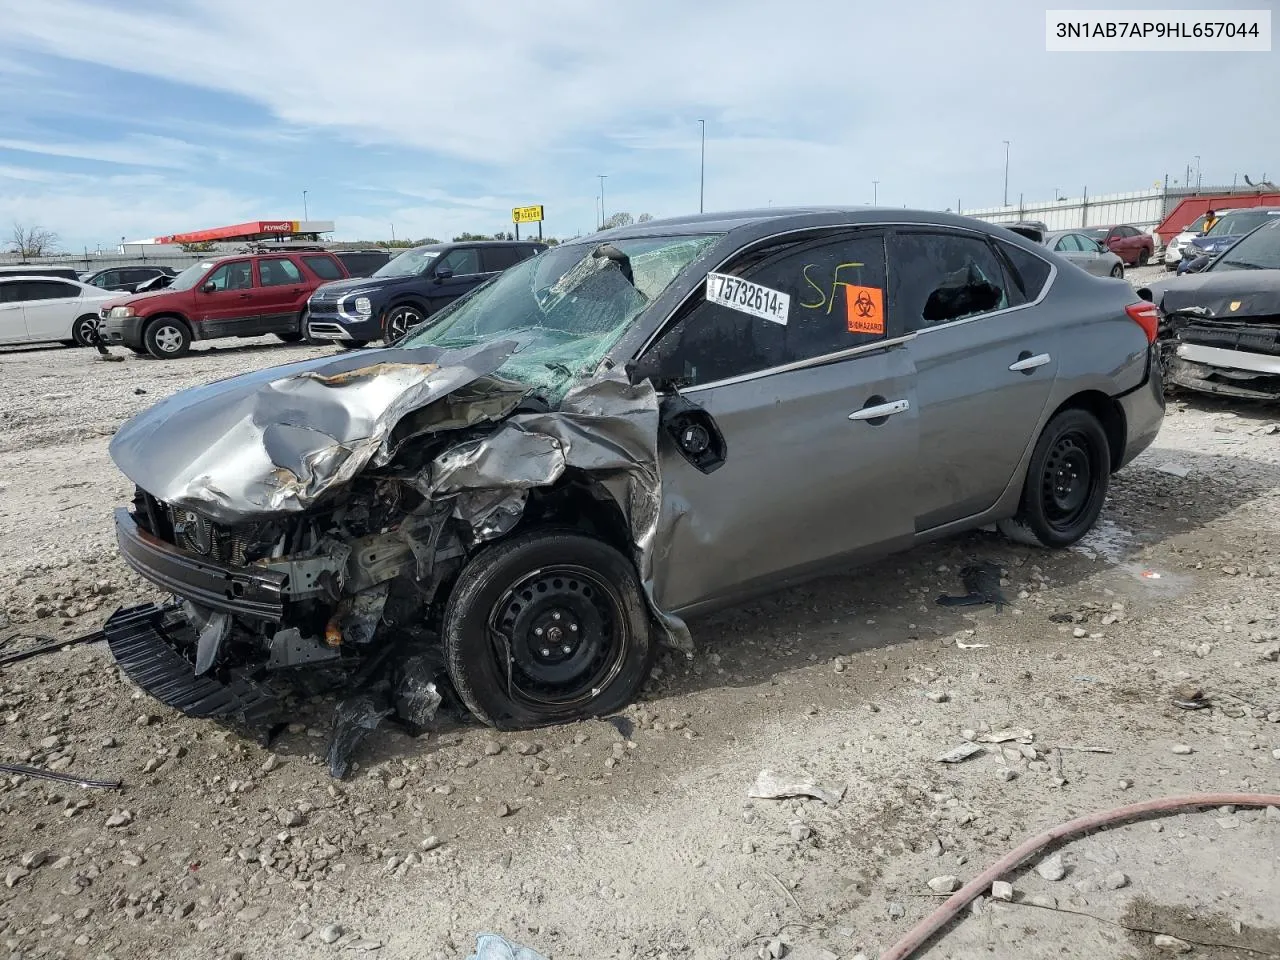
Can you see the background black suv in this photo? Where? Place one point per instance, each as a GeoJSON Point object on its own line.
{"type": "Point", "coordinates": [407, 290]}
{"type": "Point", "coordinates": [126, 279]}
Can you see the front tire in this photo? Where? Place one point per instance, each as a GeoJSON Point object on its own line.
{"type": "Point", "coordinates": [83, 330]}
{"type": "Point", "coordinates": [1118, 271]}
{"type": "Point", "coordinates": [289, 337]}
{"type": "Point", "coordinates": [1066, 483]}
{"type": "Point", "coordinates": [547, 627]}
{"type": "Point", "coordinates": [167, 338]}
{"type": "Point", "coordinates": [348, 344]}
{"type": "Point", "coordinates": [400, 320]}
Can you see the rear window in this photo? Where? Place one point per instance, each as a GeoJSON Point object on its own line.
{"type": "Point", "coordinates": [323, 267]}
{"type": "Point", "coordinates": [499, 258]}
{"type": "Point", "coordinates": [1030, 273]}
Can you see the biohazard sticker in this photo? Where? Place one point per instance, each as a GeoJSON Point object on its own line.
{"type": "Point", "coordinates": [864, 307]}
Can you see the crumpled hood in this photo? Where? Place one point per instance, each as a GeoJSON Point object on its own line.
{"type": "Point", "coordinates": [274, 440]}
{"type": "Point", "coordinates": [1226, 294]}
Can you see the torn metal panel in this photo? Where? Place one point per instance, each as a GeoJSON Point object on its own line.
{"type": "Point", "coordinates": [277, 440]}
{"type": "Point", "coordinates": [606, 427]}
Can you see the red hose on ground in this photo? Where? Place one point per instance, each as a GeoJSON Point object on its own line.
{"type": "Point", "coordinates": [926, 928]}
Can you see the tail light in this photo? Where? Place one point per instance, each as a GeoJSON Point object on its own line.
{"type": "Point", "coordinates": [1146, 316]}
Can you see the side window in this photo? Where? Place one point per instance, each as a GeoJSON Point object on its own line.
{"type": "Point", "coordinates": [230, 276]}
{"type": "Point", "coordinates": [829, 298]}
{"type": "Point", "coordinates": [48, 290]}
{"type": "Point", "coordinates": [323, 267]}
{"type": "Point", "coordinates": [1067, 244]}
{"type": "Point", "coordinates": [499, 258]}
{"type": "Point", "coordinates": [1029, 273]}
{"type": "Point", "coordinates": [278, 273]}
{"type": "Point", "coordinates": [138, 275]}
{"type": "Point", "coordinates": [936, 278]}
{"type": "Point", "coordinates": [108, 279]}
{"type": "Point", "coordinates": [10, 292]}
{"type": "Point", "coordinates": [461, 262]}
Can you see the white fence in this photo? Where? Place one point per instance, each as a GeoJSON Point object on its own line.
{"type": "Point", "coordinates": [1144, 208]}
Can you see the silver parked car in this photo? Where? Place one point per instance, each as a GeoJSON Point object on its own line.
{"type": "Point", "coordinates": [537, 486]}
{"type": "Point", "coordinates": [1086, 252]}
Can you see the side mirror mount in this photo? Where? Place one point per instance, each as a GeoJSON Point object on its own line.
{"type": "Point", "coordinates": [208, 287]}
{"type": "Point", "coordinates": [443, 273]}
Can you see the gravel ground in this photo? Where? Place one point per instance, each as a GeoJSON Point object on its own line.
{"type": "Point", "coordinates": [636, 838]}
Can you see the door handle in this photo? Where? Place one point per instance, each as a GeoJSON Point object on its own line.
{"type": "Point", "coordinates": [1027, 363]}
{"type": "Point", "coordinates": [881, 410]}
{"type": "Point", "coordinates": [245, 296]}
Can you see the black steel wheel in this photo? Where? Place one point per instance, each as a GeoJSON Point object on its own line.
{"type": "Point", "coordinates": [1066, 483]}
{"type": "Point", "coordinates": [400, 320]}
{"type": "Point", "coordinates": [547, 627]}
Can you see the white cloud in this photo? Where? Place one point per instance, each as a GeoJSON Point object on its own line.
{"type": "Point", "coordinates": [139, 150]}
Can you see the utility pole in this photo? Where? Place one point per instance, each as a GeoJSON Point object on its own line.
{"type": "Point", "coordinates": [602, 177]}
{"type": "Point", "coordinates": [304, 206]}
{"type": "Point", "coordinates": [393, 233]}
{"type": "Point", "coordinates": [1006, 172]}
{"type": "Point", "coordinates": [1197, 171]}
{"type": "Point", "coordinates": [702, 169]}
{"type": "Point", "coordinates": [875, 192]}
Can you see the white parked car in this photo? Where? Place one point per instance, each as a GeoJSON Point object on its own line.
{"type": "Point", "coordinates": [1173, 252]}
{"type": "Point", "coordinates": [49, 309]}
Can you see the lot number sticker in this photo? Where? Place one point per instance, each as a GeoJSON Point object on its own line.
{"type": "Point", "coordinates": [747, 297]}
{"type": "Point", "coordinates": [864, 307]}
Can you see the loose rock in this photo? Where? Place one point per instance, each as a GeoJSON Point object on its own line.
{"type": "Point", "coordinates": [1002, 890]}
{"type": "Point", "coordinates": [332, 933]}
{"type": "Point", "coordinates": [946, 884]}
{"type": "Point", "coordinates": [1162, 941]}
{"type": "Point", "coordinates": [1115, 880]}
{"type": "Point", "coordinates": [1052, 869]}
{"type": "Point", "coordinates": [1181, 749]}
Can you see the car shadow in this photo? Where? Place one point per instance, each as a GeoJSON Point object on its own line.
{"type": "Point", "coordinates": [894, 601]}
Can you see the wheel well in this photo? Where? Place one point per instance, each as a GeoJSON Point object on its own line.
{"type": "Point", "coordinates": [166, 316]}
{"type": "Point", "coordinates": [408, 302]}
{"type": "Point", "coordinates": [582, 503]}
{"type": "Point", "coordinates": [1109, 414]}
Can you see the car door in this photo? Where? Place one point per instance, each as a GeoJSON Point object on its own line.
{"type": "Point", "coordinates": [457, 272]}
{"type": "Point", "coordinates": [494, 260]}
{"type": "Point", "coordinates": [1071, 246]}
{"type": "Point", "coordinates": [985, 362]}
{"type": "Point", "coordinates": [13, 325]}
{"type": "Point", "coordinates": [279, 295]}
{"type": "Point", "coordinates": [224, 300]}
{"type": "Point", "coordinates": [49, 308]}
{"type": "Point", "coordinates": [817, 408]}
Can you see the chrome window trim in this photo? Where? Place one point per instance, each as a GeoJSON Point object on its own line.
{"type": "Point", "coordinates": [853, 351]}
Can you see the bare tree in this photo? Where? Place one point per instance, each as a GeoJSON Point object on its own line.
{"type": "Point", "coordinates": [619, 219]}
{"type": "Point", "coordinates": [644, 218]}
{"type": "Point", "coordinates": [33, 241]}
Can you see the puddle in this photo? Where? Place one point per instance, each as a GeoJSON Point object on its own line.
{"type": "Point", "coordinates": [1106, 541]}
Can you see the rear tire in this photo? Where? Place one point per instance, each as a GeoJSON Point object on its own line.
{"type": "Point", "coordinates": [83, 329]}
{"type": "Point", "coordinates": [547, 627]}
{"type": "Point", "coordinates": [1143, 257]}
{"type": "Point", "coordinates": [167, 338]}
{"type": "Point", "coordinates": [1066, 483]}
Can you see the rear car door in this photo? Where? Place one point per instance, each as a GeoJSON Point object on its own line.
{"type": "Point", "coordinates": [49, 308]}
{"type": "Point", "coordinates": [817, 408]}
{"type": "Point", "coordinates": [280, 294]}
{"type": "Point", "coordinates": [457, 272]}
{"type": "Point", "coordinates": [13, 326]}
{"type": "Point", "coordinates": [1071, 247]}
{"type": "Point", "coordinates": [494, 260]}
{"type": "Point", "coordinates": [985, 362]}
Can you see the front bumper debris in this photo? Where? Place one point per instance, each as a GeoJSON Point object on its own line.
{"type": "Point", "coordinates": [147, 641]}
{"type": "Point", "coordinates": [254, 594]}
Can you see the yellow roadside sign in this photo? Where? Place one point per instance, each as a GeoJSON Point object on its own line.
{"type": "Point", "coordinates": [532, 214]}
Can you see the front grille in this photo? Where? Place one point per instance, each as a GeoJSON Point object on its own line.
{"type": "Point", "coordinates": [199, 535]}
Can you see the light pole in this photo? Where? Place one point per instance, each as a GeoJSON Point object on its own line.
{"type": "Point", "coordinates": [875, 191]}
{"type": "Point", "coordinates": [1006, 172]}
{"type": "Point", "coordinates": [602, 177]}
{"type": "Point", "coordinates": [1197, 171]}
{"type": "Point", "coordinates": [702, 168]}
{"type": "Point", "coordinates": [393, 233]}
{"type": "Point", "coordinates": [304, 206]}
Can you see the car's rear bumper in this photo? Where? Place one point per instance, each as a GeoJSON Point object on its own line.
{"type": "Point", "coordinates": [1143, 410]}
{"type": "Point", "coordinates": [247, 593]}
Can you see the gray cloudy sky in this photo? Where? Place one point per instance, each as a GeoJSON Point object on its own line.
{"type": "Point", "coordinates": [145, 118]}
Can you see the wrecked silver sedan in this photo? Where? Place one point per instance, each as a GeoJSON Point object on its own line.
{"type": "Point", "coordinates": [523, 498]}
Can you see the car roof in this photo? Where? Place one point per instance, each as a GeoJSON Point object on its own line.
{"type": "Point", "coordinates": [773, 220]}
{"type": "Point", "coordinates": [1270, 209]}
{"type": "Point", "coordinates": [477, 243]}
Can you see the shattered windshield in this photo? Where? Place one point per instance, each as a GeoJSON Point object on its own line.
{"type": "Point", "coordinates": [1233, 224]}
{"type": "Point", "coordinates": [1260, 250]}
{"type": "Point", "coordinates": [411, 263]}
{"type": "Point", "coordinates": [566, 307]}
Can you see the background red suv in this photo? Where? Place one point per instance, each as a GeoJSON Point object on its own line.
{"type": "Point", "coordinates": [238, 296]}
{"type": "Point", "coordinates": [1130, 244]}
